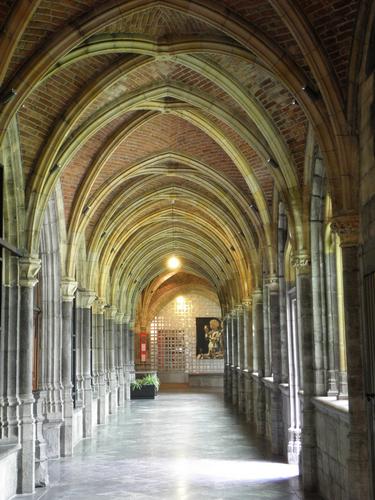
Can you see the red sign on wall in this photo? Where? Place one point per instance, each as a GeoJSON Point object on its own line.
{"type": "Point", "coordinates": [143, 346]}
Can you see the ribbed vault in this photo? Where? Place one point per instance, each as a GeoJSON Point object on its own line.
{"type": "Point", "coordinates": [175, 127]}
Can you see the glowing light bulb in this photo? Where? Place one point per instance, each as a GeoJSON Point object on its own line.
{"type": "Point", "coordinates": [173, 263]}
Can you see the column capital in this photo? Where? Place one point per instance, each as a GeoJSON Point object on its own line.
{"type": "Point", "coordinates": [272, 281]}
{"type": "Point", "coordinates": [29, 268]}
{"type": "Point", "coordinates": [98, 305]}
{"type": "Point", "coordinates": [85, 298]}
{"type": "Point", "coordinates": [127, 318]}
{"type": "Point", "coordinates": [347, 228]}
{"type": "Point", "coordinates": [257, 295]}
{"type": "Point", "coordinates": [68, 288]}
{"type": "Point", "coordinates": [110, 312]}
{"type": "Point", "coordinates": [119, 317]}
{"type": "Point", "coordinates": [301, 261]}
{"type": "Point", "coordinates": [247, 303]}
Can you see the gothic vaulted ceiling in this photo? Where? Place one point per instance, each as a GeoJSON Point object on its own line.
{"type": "Point", "coordinates": [175, 127]}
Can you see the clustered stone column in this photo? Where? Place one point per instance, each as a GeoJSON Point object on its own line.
{"type": "Point", "coordinates": [248, 359]}
{"type": "Point", "coordinates": [347, 227]}
{"type": "Point", "coordinates": [302, 265]}
{"type": "Point", "coordinates": [98, 313]}
{"type": "Point", "coordinates": [240, 358]}
{"type": "Point", "coordinates": [68, 288]}
{"type": "Point", "coordinates": [228, 357]}
{"type": "Point", "coordinates": [86, 299]}
{"type": "Point", "coordinates": [110, 314]}
{"type": "Point", "coordinates": [120, 358]}
{"type": "Point", "coordinates": [234, 365]}
{"type": "Point", "coordinates": [274, 330]}
{"type": "Point", "coordinates": [259, 356]}
{"type": "Point", "coordinates": [29, 268]}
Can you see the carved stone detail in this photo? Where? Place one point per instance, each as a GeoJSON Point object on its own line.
{"type": "Point", "coordinates": [29, 268]}
{"type": "Point", "coordinates": [347, 228]}
{"type": "Point", "coordinates": [68, 289]}
{"type": "Point", "coordinates": [110, 312]}
{"type": "Point", "coordinates": [257, 295]}
{"type": "Point", "coordinates": [98, 306]}
{"type": "Point", "coordinates": [301, 262]}
{"type": "Point", "coordinates": [85, 298]}
{"type": "Point", "coordinates": [272, 281]}
{"type": "Point", "coordinates": [247, 303]}
{"type": "Point", "coordinates": [119, 317]}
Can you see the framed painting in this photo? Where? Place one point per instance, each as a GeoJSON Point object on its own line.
{"type": "Point", "coordinates": [209, 334]}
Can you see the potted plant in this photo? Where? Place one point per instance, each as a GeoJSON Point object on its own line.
{"type": "Point", "coordinates": [145, 387]}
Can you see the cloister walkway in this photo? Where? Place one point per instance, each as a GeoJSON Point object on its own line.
{"type": "Point", "coordinates": [184, 445]}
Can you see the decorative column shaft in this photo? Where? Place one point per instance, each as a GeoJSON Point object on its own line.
{"type": "Point", "coordinates": [110, 314]}
{"type": "Point", "coordinates": [347, 229]}
{"type": "Point", "coordinates": [120, 360]}
{"type": "Point", "coordinates": [260, 418]}
{"type": "Point", "coordinates": [29, 268]}
{"type": "Point", "coordinates": [68, 288]}
{"type": "Point", "coordinates": [234, 330]}
{"type": "Point", "coordinates": [277, 429]}
{"type": "Point", "coordinates": [85, 300]}
{"type": "Point", "coordinates": [228, 357]}
{"type": "Point", "coordinates": [248, 359]}
{"type": "Point", "coordinates": [241, 358]}
{"type": "Point", "coordinates": [302, 264]}
{"type": "Point", "coordinates": [98, 310]}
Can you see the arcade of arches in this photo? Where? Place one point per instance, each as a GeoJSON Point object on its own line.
{"type": "Point", "coordinates": [237, 135]}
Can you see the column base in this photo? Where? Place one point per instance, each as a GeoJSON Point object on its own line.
{"type": "Point", "coordinates": [26, 470]}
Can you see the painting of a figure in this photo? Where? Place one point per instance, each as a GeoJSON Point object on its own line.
{"type": "Point", "coordinates": [209, 338]}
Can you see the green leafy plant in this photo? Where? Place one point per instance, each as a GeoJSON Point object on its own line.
{"type": "Point", "coordinates": [149, 379]}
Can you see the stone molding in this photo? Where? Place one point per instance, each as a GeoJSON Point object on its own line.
{"type": "Point", "coordinates": [98, 305]}
{"type": "Point", "coordinates": [127, 318]}
{"type": "Point", "coordinates": [119, 317]}
{"type": "Point", "coordinates": [110, 312]}
{"type": "Point", "coordinates": [347, 228]}
{"type": "Point", "coordinates": [29, 268]}
{"type": "Point", "coordinates": [247, 303]}
{"type": "Point", "coordinates": [257, 295]}
{"type": "Point", "coordinates": [302, 262]}
{"type": "Point", "coordinates": [272, 282]}
{"type": "Point", "coordinates": [85, 298]}
{"type": "Point", "coordinates": [68, 289]}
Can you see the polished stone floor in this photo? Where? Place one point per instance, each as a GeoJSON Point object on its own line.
{"type": "Point", "coordinates": [184, 445]}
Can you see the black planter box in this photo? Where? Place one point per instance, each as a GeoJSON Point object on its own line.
{"type": "Point", "coordinates": [145, 392]}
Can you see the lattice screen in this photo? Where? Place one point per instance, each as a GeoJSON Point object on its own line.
{"type": "Point", "coordinates": [173, 336]}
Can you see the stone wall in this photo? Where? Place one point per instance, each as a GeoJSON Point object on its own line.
{"type": "Point", "coordinates": [8, 471]}
{"type": "Point", "coordinates": [332, 429]}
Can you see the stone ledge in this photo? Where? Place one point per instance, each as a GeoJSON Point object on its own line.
{"type": "Point", "coordinates": [8, 449]}
{"type": "Point", "coordinates": [338, 408]}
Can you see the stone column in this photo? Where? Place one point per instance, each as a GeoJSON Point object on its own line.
{"type": "Point", "coordinates": [277, 430]}
{"type": "Point", "coordinates": [120, 360]}
{"type": "Point", "coordinates": [68, 288]}
{"type": "Point", "coordinates": [29, 268]}
{"type": "Point", "coordinates": [281, 241]}
{"type": "Point", "coordinates": [98, 310]}
{"type": "Point", "coordinates": [248, 359]}
{"type": "Point", "coordinates": [358, 472]}
{"type": "Point", "coordinates": [266, 332]}
{"type": "Point", "coordinates": [302, 264]}
{"type": "Point", "coordinates": [228, 357]}
{"type": "Point", "coordinates": [85, 300]}
{"type": "Point", "coordinates": [110, 314]}
{"type": "Point", "coordinates": [260, 419]}
{"type": "Point", "coordinates": [241, 359]}
{"type": "Point", "coordinates": [9, 401]}
{"type": "Point", "coordinates": [332, 323]}
{"type": "Point", "coordinates": [234, 366]}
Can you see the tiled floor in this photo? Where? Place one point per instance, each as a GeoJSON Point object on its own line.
{"type": "Point", "coordinates": [180, 446]}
